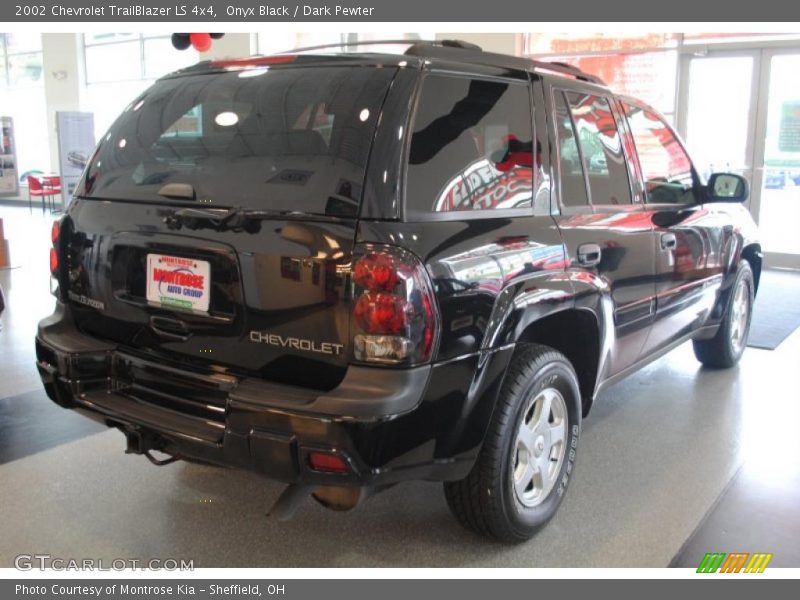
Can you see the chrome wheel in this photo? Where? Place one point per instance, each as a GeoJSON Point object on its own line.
{"type": "Point", "coordinates": [540, 447]}
{"type": "Point", "coordinates": [740, 315]}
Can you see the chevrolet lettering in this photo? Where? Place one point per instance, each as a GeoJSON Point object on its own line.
{"type": "Point", "coordinates": [264, 337]}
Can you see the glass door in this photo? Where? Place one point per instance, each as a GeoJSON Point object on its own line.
{"type": "Point", "coordinates": [719, 116]}
{"type": "Point", "coordinates": [777, 201]}
{"type": "Point", "coordinates": [741, 113]}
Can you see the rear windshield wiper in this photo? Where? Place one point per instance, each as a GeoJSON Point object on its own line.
{"type": "Point", "coordinates": [182, 191]}
{"type": "Point", "coordinates": [228, 219]}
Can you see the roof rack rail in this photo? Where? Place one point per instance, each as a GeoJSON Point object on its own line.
{"type": "Point", "coordinates": [446, 48]}
{"type": "Point", "coordinates": [426, 48]}
{"type": "Point", "coordinates": [406, 42]}
{"type": "Point", "coordinates": [567, 69]}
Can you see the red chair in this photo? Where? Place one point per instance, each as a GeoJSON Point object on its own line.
{"type": "Point", "coordinates": [52, 187]}
{"type": "Point", "coordinates": [35, 189]}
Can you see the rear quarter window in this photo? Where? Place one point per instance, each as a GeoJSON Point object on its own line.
{"type": "Point", "coordinates": [471, 147]}
{"type": "Point", "coordinates": [285, 139]}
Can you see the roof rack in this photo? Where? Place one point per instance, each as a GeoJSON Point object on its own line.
{"type": "Point", "coordinates": [567, 69]}
{"type": "Point", "coordinates": [361, 43]}
{"type": "Point", "coordinates": [459, 49]}
{"type": "Point", "coordinates": [443, 48]}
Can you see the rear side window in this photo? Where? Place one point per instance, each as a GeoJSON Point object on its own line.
{"type": "Point", "coordinates": [572, 184]}
{"type": "Point", "coordinates": [285, 139]}
{"type": "Point", "coordinates": [666, 167]}
{"type": "Point", "coordinates": [601, 149]}
{"type": "Point", "coordinates": [471, 147]}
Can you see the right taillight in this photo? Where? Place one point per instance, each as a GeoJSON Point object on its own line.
{"type": "Point", "coordinates": [394, 318]}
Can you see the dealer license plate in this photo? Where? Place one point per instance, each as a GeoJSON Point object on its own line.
{"type": "Point", "coordinates": [177, 282]}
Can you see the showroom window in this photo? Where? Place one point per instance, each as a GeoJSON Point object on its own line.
{"type": "Point", "coordinates": [280, 41]}
{"type": "Point", "coordinates": [119, 66]}
{"type": "Point", "coordinates": [22, 88]}
{"type": "Point", "coordinates": [643, 66]}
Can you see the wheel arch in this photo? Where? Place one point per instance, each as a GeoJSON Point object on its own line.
{"type": "Point", "coordinates": [561, 310]}
{"type": "Point", "coordinates": [582, 346]}
{"type": "Point", "coordinates": [752, 254]}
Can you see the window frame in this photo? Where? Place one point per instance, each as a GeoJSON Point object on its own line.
{"type": "Point", "coordinates": [622, 131]}
{"type": "Point", "coordinates": [563, 208]}
{"type": "Point", "coordinates": [414, 216]}
{"type": "Point", "coordinates": [698, 183]}
{"type": "Point", "coordinates": [140, 40]}
{"type": "Point", "coordinates": [6, 59]}
{"type": "Point", "coordinates": [84, 45]}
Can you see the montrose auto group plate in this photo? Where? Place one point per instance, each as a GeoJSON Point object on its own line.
{"type": "Point", "coordinates": [177, 282]}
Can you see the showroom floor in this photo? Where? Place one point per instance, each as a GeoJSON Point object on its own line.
{"type": "Point", "coordinates": [675, 461]}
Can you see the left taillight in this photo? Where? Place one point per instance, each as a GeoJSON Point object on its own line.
{"type": "Point", "coordinates": [55, 239]}
{"type": "Point", "coordinates": [394, 316]}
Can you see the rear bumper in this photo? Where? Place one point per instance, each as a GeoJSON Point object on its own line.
{"type": "Point", "coordinates": [389, 425]}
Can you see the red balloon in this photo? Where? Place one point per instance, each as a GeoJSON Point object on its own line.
{"type": "Point", "coordinates": [200, 41]}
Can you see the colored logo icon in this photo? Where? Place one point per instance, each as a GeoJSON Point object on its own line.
{"type": "Point", "coordinates": [736, 562]}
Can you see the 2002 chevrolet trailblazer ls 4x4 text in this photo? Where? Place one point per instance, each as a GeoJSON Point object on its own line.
{"type": "Point", "coordinates": [347, 271]}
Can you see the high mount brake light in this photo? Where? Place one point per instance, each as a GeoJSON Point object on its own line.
{"type": "Point", "coordinates": [256, 61]}
{"type": "Point", "coordinates": [394, 319]}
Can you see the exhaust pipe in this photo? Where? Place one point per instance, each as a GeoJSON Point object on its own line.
{"type": "Point", "coordinates": [338, 498]}
{"type": "Point", "coordinates": [289, 501]}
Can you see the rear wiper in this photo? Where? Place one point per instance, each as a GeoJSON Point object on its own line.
{"type": "Point", "coordinates": [182, 191]}
{"type": "Point", "coordinates": [228, 219]}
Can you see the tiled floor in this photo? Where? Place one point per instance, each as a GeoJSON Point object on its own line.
{"type": "Point", "coordinates": [27, 292]}
{"type": "Point", "coordinates": [656, 454]}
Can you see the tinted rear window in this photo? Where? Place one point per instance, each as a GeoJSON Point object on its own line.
{"type": "Point", "coordinates": [291, 139]}
{"type": "Point", "coordinates": [471, 147]}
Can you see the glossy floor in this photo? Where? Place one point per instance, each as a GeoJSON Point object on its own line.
{"type": "Point", "coordinates": [656, 461]}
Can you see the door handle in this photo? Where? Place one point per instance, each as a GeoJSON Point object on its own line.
{"type": "Point", "coordinates": [668, 241]}
{"type": "Point", "coordinates": [172, 329]}
{"type": "Point", "coordinates": [589, 255]}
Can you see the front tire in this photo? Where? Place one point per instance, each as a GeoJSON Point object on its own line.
{"type": "Point", "coordinates": [525, 464]}
{"type": "Point", "coordinates": [726, 348]}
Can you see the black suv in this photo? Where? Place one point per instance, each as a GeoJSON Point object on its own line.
{"type": "Point", "coordinates": [347, 271]}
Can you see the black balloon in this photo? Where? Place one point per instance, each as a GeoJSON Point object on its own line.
{"type": "Point", "coordinates": [180, 41]}
{"type": "Point", "coordinates": [216, 36]}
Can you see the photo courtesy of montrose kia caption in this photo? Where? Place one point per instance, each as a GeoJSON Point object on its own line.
{"type": "Point", "coordinates": [349, 271]}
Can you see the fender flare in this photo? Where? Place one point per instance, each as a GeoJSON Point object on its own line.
{"type": "Point", "coordinates": [518, 308]}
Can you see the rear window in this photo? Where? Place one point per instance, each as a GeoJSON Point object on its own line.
{"type": "Point", "coordinates": [291, 139]}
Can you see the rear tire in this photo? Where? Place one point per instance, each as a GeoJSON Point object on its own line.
{"type": "Point", "coordinates": [726, 348]}
{"type": "Point", "coordinates": [525, 464]}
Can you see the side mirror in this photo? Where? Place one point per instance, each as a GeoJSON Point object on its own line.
{"type": "Point", "coordinates": [727, 187]}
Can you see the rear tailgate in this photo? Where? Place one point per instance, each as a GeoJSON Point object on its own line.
{"type": "Point", "coordinates": [274, 301]}
{"type": "Point", "coordinates": [267, 299]}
